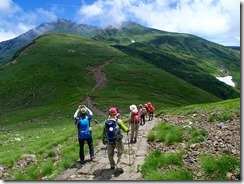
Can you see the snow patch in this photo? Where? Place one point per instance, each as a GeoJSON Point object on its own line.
{"type": "Point", "coordinates": [227, 80]}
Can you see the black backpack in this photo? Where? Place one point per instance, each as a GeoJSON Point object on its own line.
{"type": "Point", "coordinates": [112, 131]}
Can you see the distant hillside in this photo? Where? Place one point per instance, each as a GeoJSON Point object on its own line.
{"type": "Point", "coordinates": [174, 69]}
{"type": "Point", "coordinates": [188, 57]}
{"type": "Point", "coordinates": [55, 71]}
{"type": "Point", "coordinates": [234, 47]}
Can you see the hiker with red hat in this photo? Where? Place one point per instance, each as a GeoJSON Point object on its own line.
{"type": "Point", "coordinates": [112, 136]}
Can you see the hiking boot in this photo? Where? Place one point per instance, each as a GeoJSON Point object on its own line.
{"type": "Point", "coordinates": [134, 140]}
{"type": "Point", "coordinates": [118, 172]}
{"type": "Point", "coordinates": [82, 162]}
{"type": "Point", "coordinates": [112, 167]}
{"type": "Point", "coordinates": [131, 141]}
{"type": "Point", "coordinates": [92, 157]}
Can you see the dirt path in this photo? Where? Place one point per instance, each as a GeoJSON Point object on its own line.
{"type": "Point", "coordinates": [99, 76]}
{"type": "Point", "coordinates": [99, 168]}
{"type": "Point", "coordinates": [89, 102]}
{"type": "Point", "coordinates": [101, 81]}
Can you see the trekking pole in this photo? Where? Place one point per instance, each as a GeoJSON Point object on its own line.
{"type": "Point", "coordinates": [128, 147]}
{"type": "Point", "coordinates": [105, 149]}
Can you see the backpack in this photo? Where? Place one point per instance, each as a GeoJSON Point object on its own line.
{"type": "Point", "coordinates": [144, 110]}
{"type": "Point", "coordinates": [112, 131]}
{"type": "Point", "coordinates": [83, 127]}
{"type": "Point", "coordinates": [135, 116]}
{"type": "Point", "coordinates": [151, 108]}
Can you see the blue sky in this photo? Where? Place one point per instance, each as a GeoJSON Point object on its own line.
{"type": "Point", "coordinates": [214, 20]}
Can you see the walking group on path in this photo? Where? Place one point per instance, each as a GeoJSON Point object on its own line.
{"type": "Point", "coordinates": [101, 166]}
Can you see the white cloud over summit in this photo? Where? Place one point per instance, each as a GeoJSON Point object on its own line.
{"type": "Point", "coordinates": [217, 20]}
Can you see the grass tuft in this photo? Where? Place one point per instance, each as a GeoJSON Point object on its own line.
{"type": "Point", "coordinates": [216, 168]}
{"type": "Point", "coordinates": [156, 162]}
{"type": "Point", "coordinates": [167, 133]}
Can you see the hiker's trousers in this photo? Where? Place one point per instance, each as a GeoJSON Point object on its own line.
{"type": "Point", "coordinates": [90, 145]}
{"type": "Point", "coordinates": [150, 115]}
{"type": "Point", "coordinates": [143, 121]}
{"type": "Point", "coordinates": [134, 130]}
{"type": "Point", "coordinates": [120, 149]}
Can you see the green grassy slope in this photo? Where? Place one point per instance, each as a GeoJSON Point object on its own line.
{"type": "Point", "coordinates": [185, 69]}
{"type": "Point", "coordinates": [46, 74]}
{"type": "Point", "coordinates": [132, 81]}
{"type": "Point", "coordinates": [191, 58]}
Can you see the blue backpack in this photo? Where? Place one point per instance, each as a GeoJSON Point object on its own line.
{"type": "Point", "coordinates": [83, 127]}
{"type": "Point", "coordinates": [112, 131]}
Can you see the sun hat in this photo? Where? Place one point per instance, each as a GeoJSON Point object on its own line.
{"type": "Point", "coordinates": [132, 107]}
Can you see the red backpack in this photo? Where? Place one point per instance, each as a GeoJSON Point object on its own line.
{"type": "Point", "coordinates": [150, 107]}
{"type": "Point", "coordinates": [135, 116]}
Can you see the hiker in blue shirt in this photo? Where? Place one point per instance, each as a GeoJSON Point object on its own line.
{"type": "Point", "coordinates": [83, 116]}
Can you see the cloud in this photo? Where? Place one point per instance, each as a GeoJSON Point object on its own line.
{"type": "Point", "coordinates": [5, 5]}
{"type": "Point", "coordinates": [104, 13]}
{"type": "Point", "coordinates": [14, 21]}
{"type": "Point", "coordinates": [217, 19]}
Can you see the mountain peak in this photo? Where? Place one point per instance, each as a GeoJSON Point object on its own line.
{"type": "Point", "coordinates": [130, 23]}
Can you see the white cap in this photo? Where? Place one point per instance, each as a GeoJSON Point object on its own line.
{"type": "Point", "coordinates": [133, 107]}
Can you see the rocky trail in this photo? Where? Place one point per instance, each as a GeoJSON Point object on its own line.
{"type": "Point", "coordinates": [99, 168]}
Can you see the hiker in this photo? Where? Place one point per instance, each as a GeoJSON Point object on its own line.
{"type": "Point", "coordinates": [147, 115]}
{"type": "Point", "coordinates": [118, 116]}
{"type": "Point", "coordinates": [112, 136]}
{"type": "Point", "coordinates": [143, 112]}
{"type": "Point", "coordinates": [151, 110]}
{"type": "Point", "coordinates": [83, 116]}
{"type": "Point", "coordinates": [135, 120]}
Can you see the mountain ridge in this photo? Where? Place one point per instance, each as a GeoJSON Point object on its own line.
{"type": "Point", "coordinates": [186, 57]}
{"type": "Point", "coordinates": [44, 68]}
{"type": "Point", "coordinates": [9, 47]}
